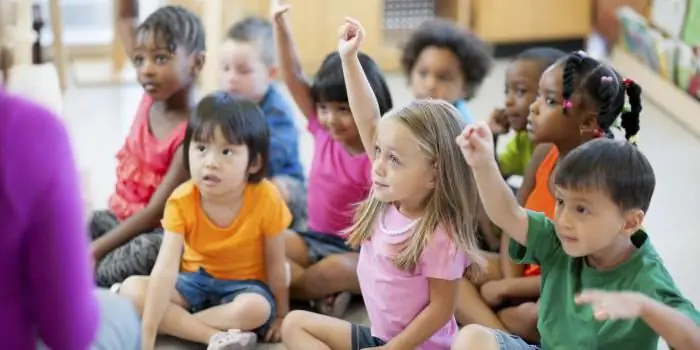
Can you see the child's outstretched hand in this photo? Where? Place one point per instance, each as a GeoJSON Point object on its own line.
{"type": "Point", "coordinates": [613, 305]}
{"type": "Point", "coordinates": [498, 122]}
{"type": "Point", "coordinates": [277, 10]}
{"type": "Point", "coordinates": [476, 142]}
{"type": "Point", "coordinates": [351, 35]}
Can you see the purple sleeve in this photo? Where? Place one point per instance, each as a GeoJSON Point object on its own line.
{"type": "Point", "coordinates": [55, 246]}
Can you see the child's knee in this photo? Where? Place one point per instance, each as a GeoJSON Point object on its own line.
{"type": "Point", "coordinates": [294, 322]}
{"type": "Point", "coordinates": [256, 307]}
{"type": "Point", "coordinates": [475, 336]}
{"type": "Point", "coordinates": [134, 288]}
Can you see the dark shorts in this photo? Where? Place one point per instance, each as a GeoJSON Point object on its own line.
{"type": "Point", "coordinates": [321, 245]}
{"type": "Point", "coordinates": [202, 291]}
{"type": "Point", "coordinates": [512, 342]}
{"type": "Point", "coordinates": [296, 201]}
{"type": "Point", "coordinates": [362, 338]}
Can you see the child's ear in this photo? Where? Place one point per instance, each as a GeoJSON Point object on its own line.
{"type": "Point", "coordinates": [632, 221]}
{"type": "Point", "coordinates": [272, 72]}
{"type": "Point", "coordinates": [433, 177]}
{"type": "Point", "coordinates": [198, 62]}
{"type": "Point", "coordinates": [590, 121]}
{"type": "Point", "coordinates": [255, 165]}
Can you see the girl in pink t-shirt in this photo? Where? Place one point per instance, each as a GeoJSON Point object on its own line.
{"type": "Point", "coordinates": [168, 59]}
{"type": "Point", "coordinates": [322, 265]}
{"type": "Point", "coordinates": [417, 230]}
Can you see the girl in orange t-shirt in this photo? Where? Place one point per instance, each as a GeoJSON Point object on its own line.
{"type": "Point", "coordinates": [126, 237]}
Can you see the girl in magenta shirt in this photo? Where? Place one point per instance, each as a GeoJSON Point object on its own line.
{"type": "Point", "coordinates": [321, 264]}
{"type": "Point", "coordinates": [417, 230]}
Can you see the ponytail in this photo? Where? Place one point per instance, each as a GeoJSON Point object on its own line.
{"type": "Point", "coordinates": [571, 68]}
{"type": "Point", "coordinates": [630, 118]}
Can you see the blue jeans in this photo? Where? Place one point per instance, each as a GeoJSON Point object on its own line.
{"type": "Point", "coordinates": [512, 342]}
{"type": "Point", "coordinates": [202, 291]}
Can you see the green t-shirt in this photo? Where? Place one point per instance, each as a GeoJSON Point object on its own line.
{"type": "Point", "coordinates": [518, 152]}
{"type": "Point", "coordinates": [563, 324]}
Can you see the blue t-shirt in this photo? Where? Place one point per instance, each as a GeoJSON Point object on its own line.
{"type": "Point", "coordinates": [284, 137]}
{"type": "Point", "coordinates": [461, 105]}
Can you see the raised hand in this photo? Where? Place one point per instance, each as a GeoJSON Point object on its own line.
{"type": "Point", "coordinates": [476, 142]}
{"type": "Point", "coordinates": [498, 122]}
{"type": "Point", "coordinates": [277, 10]}
{"type": "Point", "coordinates": [350, 37]}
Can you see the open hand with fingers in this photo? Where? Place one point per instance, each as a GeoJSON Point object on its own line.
{"type": "Point", "coordinates": [350, 37]}
{"type": "Point", "coordinates": [277, 10]}
{"type": "Point", "coordinates": [613, 305]}
{"type": "Point", "coordinates": [476, 142]}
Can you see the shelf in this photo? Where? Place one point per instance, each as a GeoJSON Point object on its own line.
{"type": "Point", "coordinates": [682, 107]}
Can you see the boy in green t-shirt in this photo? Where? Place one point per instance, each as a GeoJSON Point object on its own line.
{"type": "Point", "coordinates": [603, 284]}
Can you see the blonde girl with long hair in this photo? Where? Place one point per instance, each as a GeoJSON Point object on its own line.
{"type": "Point", "coordinates": [416, 231]}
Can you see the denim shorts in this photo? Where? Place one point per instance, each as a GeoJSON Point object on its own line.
{"type": "Point", "coordinates": [202, 291]}
{"type": "Point", "coordinates": [322, 245]}
{"type": "Point", "coordinates": [512, 342]}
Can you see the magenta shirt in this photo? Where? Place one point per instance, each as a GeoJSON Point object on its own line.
{"type": "Point", "coordinates": [337, 182]}
{"type": "Point", "coordinates": [394, 297]}
{"type": "Point", "coordinates": [47, 289]}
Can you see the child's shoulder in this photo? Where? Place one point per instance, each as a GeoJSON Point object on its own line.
{"type": "Point", "coordinates": [185, 192]}
{"type": "Point", "coordinates": [263, 192]}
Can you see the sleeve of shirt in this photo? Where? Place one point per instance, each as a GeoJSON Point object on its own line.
{"type": "Point", "coordinates": [441, 259]}
{"type": "Point", "coordinates": [510, 160]}
{"type": "Point", "coordinates": [55, 249]}
{"type": "Point", "coordinates": [276, 217]}
{"type": "Point", "coordinates": [665, 291]}
{"type": "Point", "coordinates": [173, 216]}
{"type": "Point", "coordinates": [542, 241]}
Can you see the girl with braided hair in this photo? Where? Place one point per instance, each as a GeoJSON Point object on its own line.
{"type": "Point", "coordinates": [168, 56]}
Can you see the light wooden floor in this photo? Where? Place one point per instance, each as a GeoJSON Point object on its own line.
{"type": "Point", "coordinates": [99, 118]}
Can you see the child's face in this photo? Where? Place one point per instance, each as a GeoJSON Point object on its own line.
{"type": "Point", "coordinates": [218, 167]}
{"type": "Point", "coordinates": [590, 223]}
{"type": "Point", "coordinates": [522, 80]}
{"type": "Point", "coordinates": [437, 74]}
{"type": "Point", "coordinates": [337, 118]}
{"type": "Point", "coordinates": [401, 172]}
{"type": "Point", "coordinates": [243, 71]}
{"type": "Point", "coordinates": [160, 72]}
{"type": "Point", "coordinates": [547, 121]}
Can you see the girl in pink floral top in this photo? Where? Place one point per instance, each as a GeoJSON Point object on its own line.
{"type": "Point", "coordinates": [168, 56]}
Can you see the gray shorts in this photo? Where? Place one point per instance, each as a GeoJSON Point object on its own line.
{"type": "Point", "coordinates": [361, 338]}
{"type": "Point", "coordinates": [508, 341]}
{"type": "Point", "coordinates": [321, 245]}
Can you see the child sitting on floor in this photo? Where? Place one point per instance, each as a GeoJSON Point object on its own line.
{"type": "Point", "coordinates": [594, 250]}
{"type": "Point", "coordinates": [168, 57]}
{"type": "Point", "coordinates": [417, 230]}
{"type": "Point", "coordinates": [248, 67]}
{"type": "Point", "coordinates": [323, 267]}
{"type": "Point", "coordinates": [222, 265]}
{"type": "Point", "coordinates": [444, 61]}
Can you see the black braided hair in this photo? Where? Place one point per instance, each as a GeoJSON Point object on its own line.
{"type": "Point", "coordinates": [603, 87]}
{"type": "Point", "coordinates": [175, 25]}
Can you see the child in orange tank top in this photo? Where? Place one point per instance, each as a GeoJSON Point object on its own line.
{"type": "Point", "coordinates": [126, 237]}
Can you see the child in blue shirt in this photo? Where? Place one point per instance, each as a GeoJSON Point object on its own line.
{"type": "Point", "coordinates": [247, 69]}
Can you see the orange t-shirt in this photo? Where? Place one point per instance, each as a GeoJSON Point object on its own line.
{"type": "Point", "coordinates": [236, 252]}
{"type": "Point", "coordinates": [541, 199]}
{"type": "Point", "coordinates": [142, 162]}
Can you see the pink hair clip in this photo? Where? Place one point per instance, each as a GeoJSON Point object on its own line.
{"type": "Point", "coordinates": [567, 104]}
{"type": "Point", "coordinates": [606, 78]}
{"type": "Point", "coordinates": [627, 82]}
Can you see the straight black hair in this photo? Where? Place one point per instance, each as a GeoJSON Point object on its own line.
{"type": "Point", "coordinates": [240, 121]}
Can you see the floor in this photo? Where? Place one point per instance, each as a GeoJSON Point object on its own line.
{"type": "Point", "coordinates": [99, 118]}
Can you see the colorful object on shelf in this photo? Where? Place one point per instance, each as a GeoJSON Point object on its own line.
{"type": "Point", "coordinates": [669, 16]}
{"type": "Point", "coordinates": [636, 38]}
{"type": "Point", "coordinates": [688, 70]}
{"type": "Point", "coordinates": [691, 28]}
{"type": "Point", "coordinates": [665, 51]}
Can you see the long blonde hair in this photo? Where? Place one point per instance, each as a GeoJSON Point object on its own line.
{"type": "Point", "coordinates": [454, 203]}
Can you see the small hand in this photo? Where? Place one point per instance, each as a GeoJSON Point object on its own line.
{"type": "Point", "coordinates": [476, 142]}
{"type": "Point", "coordinates": [96, 255]}
{"type": "Point", "coordinates": [613, 305]}
{"type": "Point", "coordinates": [350, 37]}
{"type": "Point", "coordinates": [277, 10]}
{"type": "Point", "coordinates": [498, 122]}
{"type": "Point", "coordinates": [494, 292]}
{"type": "Point", "coordinates": [273, 333]}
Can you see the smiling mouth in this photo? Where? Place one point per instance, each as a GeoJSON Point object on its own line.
{"type": "Point", "coordinates": [149, 87]}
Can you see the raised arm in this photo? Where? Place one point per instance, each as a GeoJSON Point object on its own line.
{"type": "Point", "coordinates": [60, 285]}
{"type": "Point", "coordinates": [477, 146]}
{"type": "Point", "coordinates": [363, 103]}
{"type": "Point", "coordinates": [289, 62]}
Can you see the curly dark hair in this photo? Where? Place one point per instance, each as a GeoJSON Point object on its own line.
{"type": "Point", "coordinates": [603, 87]}
{"type": "Point", "coordinates": [475, 56]}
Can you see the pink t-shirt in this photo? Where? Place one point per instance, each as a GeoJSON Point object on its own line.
{"type": "Point", "coordinates": [142, 162]}
{"type": "Point", "coordinates": [394, 297]}
{"type": "Point", "coordinates": [337, 182]}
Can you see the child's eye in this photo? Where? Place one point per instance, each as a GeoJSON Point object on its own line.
{"type": "Point", "coordinates": [344, 109]}
{"type": "Point", "coordinates": [559, 202]}
{"type": "Point", "coordinates": [160, 59]}
{"type": "Point", "coordinates": [393, 160]}
{"type": "Point", "coordinates": [201, 148]}
{"type": "Point", "coordinates": [227, 152]}
{"type": "Point", "coordinates": [581, 210]}
{"type": "Point", "coordinates": [138, 60]}
{"type": "Point", "coordinates": [377, 150]}
{"type": "Point", "coordinates": [520, 92]}
{"type": "Point", "coordinates": [550, 101]}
